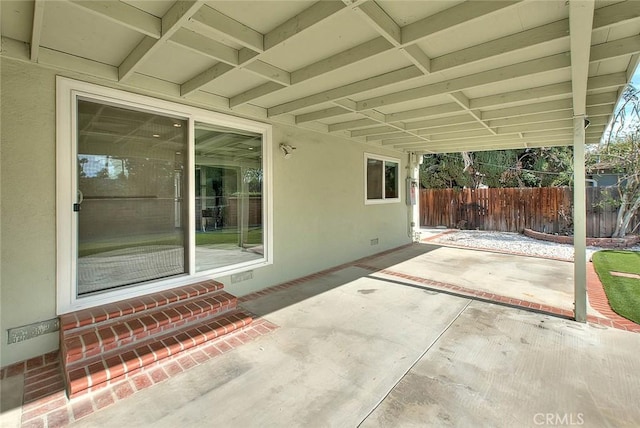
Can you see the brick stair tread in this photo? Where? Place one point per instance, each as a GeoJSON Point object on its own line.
{"type": "Point", "coordinates": [85, 374]}
{"type": "Point", "coordinates": [123, 308]}
{"type": "Point", "coordinates": [90, 340]}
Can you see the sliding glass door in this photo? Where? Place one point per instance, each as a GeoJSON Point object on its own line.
{"type": "Point", "coordinates": [153, 194]}
{"type": "Point", "coordinates": [130, 210]}
{"type": "Point", "coordinates": [228, 196]}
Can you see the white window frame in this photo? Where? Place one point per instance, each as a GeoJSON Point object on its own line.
{"type": "Point", "coordinates": [67, 92]}
{"type": "Point", "coordinates": [384, 160]}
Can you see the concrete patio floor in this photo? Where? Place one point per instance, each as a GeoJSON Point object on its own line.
{"type": "Point", "coordinates": [358, 346]}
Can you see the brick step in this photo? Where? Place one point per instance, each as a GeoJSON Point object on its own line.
{"type": "Point", "coordinates": [85, 342]}
{"type": "Point", "coordinates": [93, 373]}
{"type": "Point", "coordinates": [127, 307]}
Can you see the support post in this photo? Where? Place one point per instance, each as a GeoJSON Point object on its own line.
{"type": "Point", "coordinates": [413, 212]}
{"type": "Point", "coordinates": [579, 220]}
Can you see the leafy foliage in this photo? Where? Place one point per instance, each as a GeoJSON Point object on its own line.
{"type": "Point", "coordinates": [539, 167]}
{"type": "Point", "coordinates": [620, 154]}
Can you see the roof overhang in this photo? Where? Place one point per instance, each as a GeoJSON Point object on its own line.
{"type": "Point", "coordinates": [418, 76]}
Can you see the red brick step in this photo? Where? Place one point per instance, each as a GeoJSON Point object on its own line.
{"type": "Point", "coordinates": [107, 344]}
{"type": "Point", "coordinates": [135, 305]}
{"type": "Point", "coordinates": [92, 340]}
{"type": "Point", "coordinates": [93, 373]}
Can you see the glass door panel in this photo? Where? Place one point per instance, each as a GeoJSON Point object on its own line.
{"type": "Point", "coordinates": [228, 183]}
{"type": "Point", "coordinates": [131, 217]}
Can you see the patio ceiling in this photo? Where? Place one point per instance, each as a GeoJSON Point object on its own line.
{"type": "Point", "coordinates": [420, 76]}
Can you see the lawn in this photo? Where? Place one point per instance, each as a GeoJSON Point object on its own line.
{"type": "Point", "coordinates": [623, 293]}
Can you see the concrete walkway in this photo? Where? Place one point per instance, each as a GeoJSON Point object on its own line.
{"type": "Point", "coordinates": [385, 341]}
{"type": "Point", "coordinates": [355, 348]}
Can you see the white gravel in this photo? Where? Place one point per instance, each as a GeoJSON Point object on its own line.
{"type": "Point", "coordinates": [509, 242]}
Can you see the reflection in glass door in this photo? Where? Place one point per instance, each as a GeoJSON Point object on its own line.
{"type": "Point", "coordinates": [131, 223]}
{"type": "Point", "coordinates": [228, 181]}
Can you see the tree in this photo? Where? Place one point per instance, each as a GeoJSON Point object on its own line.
{"type": "Point", "coordinates": [620, 153]}
{"type": "Point", "coordinates": [536, 167]}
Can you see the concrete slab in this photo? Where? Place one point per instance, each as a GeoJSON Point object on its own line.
{"type": "Point", "coordinates": [534, 279]}
{"type": "Point", "coordinates": [11, 392]}
{"type": "Point", "coordinates": [358, 349]}
{"type": "Point", "coordinates": [503, 367]}
{"type": "Point", "coordinates": [345, 340]}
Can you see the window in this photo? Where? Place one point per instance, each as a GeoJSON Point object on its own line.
{"type": "Point", "coordinates": [382, 179]}
{"type": "Point", "coordinates": [154, 194]}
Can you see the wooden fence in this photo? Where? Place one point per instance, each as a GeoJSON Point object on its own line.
{"type": "Point", "coordinates": [543, 209]}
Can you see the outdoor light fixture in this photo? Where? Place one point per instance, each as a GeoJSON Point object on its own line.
{"type": "Point", "coordinates": [587, 122]}
{"type": "Point", "coordinates": [287, 150]}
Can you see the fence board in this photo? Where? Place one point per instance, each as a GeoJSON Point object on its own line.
{"type": "Point", "coordinates": [545, 209]}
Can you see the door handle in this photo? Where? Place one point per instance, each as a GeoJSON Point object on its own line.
{"type": "Point", "coordinates": [77, 205]}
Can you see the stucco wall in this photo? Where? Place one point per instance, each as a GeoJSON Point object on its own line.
{"type": "Point", "coordinates": [28, 206]}
{"type": "Point", "coordinates": [320, 219]}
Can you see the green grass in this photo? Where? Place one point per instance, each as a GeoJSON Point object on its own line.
{"type": "Point", "coordinates": [623, 293]}
{"type": "Point", "coordinates": [227, 237]}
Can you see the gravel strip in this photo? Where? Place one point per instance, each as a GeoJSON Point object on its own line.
{"type": "Point", "coordinates": [512, 243]}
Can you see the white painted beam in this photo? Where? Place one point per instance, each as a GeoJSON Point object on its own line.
{"type": "Point", "coordinates": [603, 17]}
{"type": "Point", "coordinates": [417, 56]}
{"type": "Point", "coordinates": [209, 22]}
{"type": "Point", "coordinates": [554, 91]}
{"type": "Point", "coordinates": [204, 78]}
{"type": "Point", "coordinates": [616, 14]}
{"type": "Point", "coordinates": [253, 93]}
{"type": "Point", "coordinates": [453, 129]}
{"type": "Point", "coordinates": [205, 46]}
{"type": "Point", "coordinates": [378, 130]}
{"type": "Point", "coordinates": [342, 59]}
{"type": "Point", "coordinates": [175, 17]}
{"type": "Point", "coordinates": [391, 135]}
{"type": "Point", "coordinates": [321, 114]}
{"type": "Point", "coordinates": [309, 17]}
{"type": "Point", "coordinates": [352, 124]}
{"type": "Point", "coordinates": [556, 124]}
{"type": "Point", "coordinates": [522, 69]}
{"type": "Point", "coordinates": [425, 112]}
{"type": "Point", "coordinates": [391, 31]}
{"type": "Point", "coordinates": [379, 19]}
{"type": "Point", "coordinates": [581, 22]}
{"type": "Point", "coordinates": [484, 139]}
{"type": "Point", "coordinates": [450, 18]}
{"type": "Point", "coordinates": [501, 46]}
{"type": "Point", "coordinates": [443, 121]}
{"type": "Point", "coordinates": [532, 118]}
{"type": "Point", "coordinates": [334, 62]}
{"type": "Point", "coordinates": [36, 29]}
{"type": "Point", "coordinates": [479, 133]}
{"type": "Point", "coordinates": [486, 50]}
{"type": "Point", "coordinates": [125, 15]}
{"type": "Point", "coordinates": [546, 106]}
{"type": "Point", "coordinates": [378, 117]}
{"type": "Point", "coordinates": [269, 72]}
{"type": "Point", "coordinates": [386, 79]}
{"type": "Point", "coordinates": [613, 49]}
{"type": "Point", "coordinates": [463, 101]}
{"type": "Point", "coordinates": [558, 90]}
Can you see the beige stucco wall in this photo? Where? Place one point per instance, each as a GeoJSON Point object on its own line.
{"type": "Point", "coordinates": [320, 219]}
{"type": "Point", "coordinates": [28, 206]}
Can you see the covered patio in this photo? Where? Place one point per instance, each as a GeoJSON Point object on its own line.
{"type": "Point", "coordinates": [378, 343]}
{"type": "Point", "coordinates": [313, 114]}
{"type": "Point", "coordinates": [415, 77]}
